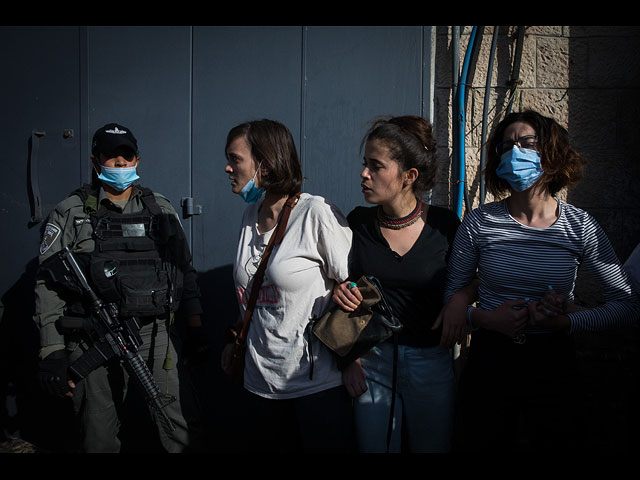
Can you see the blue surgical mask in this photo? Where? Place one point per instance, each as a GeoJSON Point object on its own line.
{"type": "Point", "coordinates": [520, 167]}
{"type": "Point", "coordinates": [118, 178]}
{"type": "Point", "coordinates": [250, 193]}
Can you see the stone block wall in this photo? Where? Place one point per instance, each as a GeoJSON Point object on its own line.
{"type": "Point", "coordinates": [588, 78]}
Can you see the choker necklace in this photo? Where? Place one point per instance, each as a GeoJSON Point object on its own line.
{"type": "Point", "coordinates": [398, 223]}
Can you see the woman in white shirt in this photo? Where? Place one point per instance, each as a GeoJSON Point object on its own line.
{"type": "Point", "coordinates": [293, 379]}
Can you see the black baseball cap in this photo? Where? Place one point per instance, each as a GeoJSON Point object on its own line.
{"type": "Point", "coordinates": [112, 136]}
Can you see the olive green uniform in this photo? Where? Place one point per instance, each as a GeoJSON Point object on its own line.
{"type": "Point", "coordinates": [97, 397]}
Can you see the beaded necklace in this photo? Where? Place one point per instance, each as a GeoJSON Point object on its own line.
{"type": "Point", "coordinates": [398, 223]}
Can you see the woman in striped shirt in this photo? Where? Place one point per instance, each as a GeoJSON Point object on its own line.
{"type": "Point", "coordinates": [527, 249]}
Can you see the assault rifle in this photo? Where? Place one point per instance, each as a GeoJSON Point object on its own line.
{"type": "Point", "coordinates": [112, 337]}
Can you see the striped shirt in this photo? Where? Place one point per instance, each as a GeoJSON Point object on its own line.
{"type": "Point", "coordinates": [516, 261]}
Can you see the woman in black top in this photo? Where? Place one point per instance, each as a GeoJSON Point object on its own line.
{"type": "Point", "coordinates": [405, 243]}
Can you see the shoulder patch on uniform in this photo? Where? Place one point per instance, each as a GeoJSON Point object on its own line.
{"type": "Point", "coordinates": [51, 233]}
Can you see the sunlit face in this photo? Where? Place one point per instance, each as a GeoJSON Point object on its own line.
{"type": "Point", "coordinates": [241, 166]}
{"type": "Point", "coordinates": [381, 177]}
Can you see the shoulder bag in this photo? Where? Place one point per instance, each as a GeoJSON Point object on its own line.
{"type": "Point", "coordinates": [352, 334]}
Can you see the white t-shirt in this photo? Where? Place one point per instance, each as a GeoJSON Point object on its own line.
{"type": "Point", "coordinates": [297, 287]}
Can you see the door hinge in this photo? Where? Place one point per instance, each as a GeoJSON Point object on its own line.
{"type": "Point", "coordinates": [188, 208]}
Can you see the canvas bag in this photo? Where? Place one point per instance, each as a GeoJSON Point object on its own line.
{"type": "Point", "coordinates": [352, 334]}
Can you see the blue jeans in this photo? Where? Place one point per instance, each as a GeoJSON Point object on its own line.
{"type": "Point", "coordinates": [424, 400]}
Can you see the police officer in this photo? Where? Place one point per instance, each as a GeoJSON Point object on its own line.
{"type": "Point", "coordinates": [132, 249]}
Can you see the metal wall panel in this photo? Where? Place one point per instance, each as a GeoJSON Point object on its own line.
{"type": "Point", "coordinates": [324, 83]}
{"type": "Point", "coordinates": [354, 74]}
{"type": "Point", "coordinates": [141, 77]}
{"type": "Point", "coordinates": [180, 89]}
{"type": "Point", "coordinates": [239, 74]}
{"type": "Point", "coordinates": [39, 91]}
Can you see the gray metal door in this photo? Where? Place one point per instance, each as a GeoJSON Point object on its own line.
{"type": "Point", "coordinates": [324, 83]}
{"type": "Point", "coordinates": [39, 93]}
{"type": "Point", "coordinates": [141, 77]}
{"type": "Point", "coordinates": [354, 74]}
{"type": "Point", "coordinates": [180, 89]}
{"type": "Point", "coordinates": [239, 74]}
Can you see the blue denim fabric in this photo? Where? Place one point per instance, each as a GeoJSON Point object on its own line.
{"type": "Point", "coordinates": [424, 400]}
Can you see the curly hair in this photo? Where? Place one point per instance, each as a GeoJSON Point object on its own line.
{"type": "Point", "coordinates": [272, 145]}
{"type": "Point", "coordinates": [411, 143]}
{"type": "Point", "coordinates": [562, 166]}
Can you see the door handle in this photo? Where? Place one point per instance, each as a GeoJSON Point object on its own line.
{"type": "Point", "coordinates": [32, 176]}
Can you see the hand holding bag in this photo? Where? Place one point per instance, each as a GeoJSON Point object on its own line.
{"type": "Point", "coordinates": [352, 334]}
{"type": "Point", "coordinates": [240, 336]}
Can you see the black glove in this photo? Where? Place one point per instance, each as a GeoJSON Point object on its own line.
{"type": "Point", "coordinates": [196, 345]}
{"type": "Point", "coordinates": [53, 373]}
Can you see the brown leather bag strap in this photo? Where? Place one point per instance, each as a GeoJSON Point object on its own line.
{"type": "Point", "coordinates": [275, 240]}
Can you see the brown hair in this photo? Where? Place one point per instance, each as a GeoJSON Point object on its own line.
{"type": "Point", "coordinates": [562, 166]}
{"type": "Point", "coordinates": [410, 141]}
{"type": "Point", "coordinates": [272, 145]}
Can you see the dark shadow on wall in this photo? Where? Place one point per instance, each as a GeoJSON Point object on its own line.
{"type": "Point", "coordinates": [222, 407]}
{"type": "Point", "coordinates": [215, 408]}
{"type": "Point", "coordinates": [603, 107]}
{"type": "Point", "coordinates": [46, 422]}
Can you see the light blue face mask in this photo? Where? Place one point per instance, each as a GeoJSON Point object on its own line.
{"type": "Point", "coordinates": [118, 178]}
{"type": "Point", "coordinates": [250, 193]}
{"type": "Point", "coordinates": [520, 167]}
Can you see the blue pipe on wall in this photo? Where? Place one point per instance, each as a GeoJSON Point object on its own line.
{"type": "Point", "coordinates": [461, 122]}
{"type": "Point", "coordinates": [485, 114]}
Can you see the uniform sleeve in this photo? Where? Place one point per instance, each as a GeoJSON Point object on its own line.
{"type": "Point", "coordinates": [334, 243]}
{"type": "Point", "coordinates": [190, 296]}
{"type": "Point", "coordinates": [622, 305]}
{"type": "Point", "coordinates": [464, 256]}
{"type": "Point", "coordinates": [49, 306]}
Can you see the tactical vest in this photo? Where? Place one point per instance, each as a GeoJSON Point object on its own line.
{"type": "Point", "coordinates": [132, 264]}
